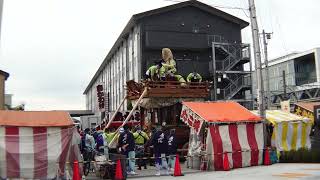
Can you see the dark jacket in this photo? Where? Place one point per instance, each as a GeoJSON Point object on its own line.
{"type": "Point", "coordinates": [160, 142]}
{"type": "Point", "coordinates": [127, 138]}
{"type": "Point", "coordinates": [172, 145]}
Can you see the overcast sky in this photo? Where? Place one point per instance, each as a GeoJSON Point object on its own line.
{"type": "Point", "coordinates": [52, 48]}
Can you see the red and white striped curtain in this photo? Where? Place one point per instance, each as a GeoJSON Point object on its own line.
{"type": "Point", "coordinates": [243, 143]}
{"type": "Point", "coordinates": [36, 152]}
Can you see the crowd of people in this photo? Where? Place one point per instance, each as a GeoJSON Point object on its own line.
{"type": "Point", "coordinates": [158, 147]}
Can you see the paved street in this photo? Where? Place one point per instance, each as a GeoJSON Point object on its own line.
{"type": "Point", "coordinates": [277, 171]}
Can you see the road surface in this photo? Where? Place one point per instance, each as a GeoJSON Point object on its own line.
{"type": "Point", "coordinates": [279, 171]}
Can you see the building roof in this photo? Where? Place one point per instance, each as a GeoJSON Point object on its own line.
{"type": "Point", "coordinates": [308, 105]}
{"type": "Point", "coordinates": [136, 17]}
{"type": "Point", "coordinates": [222, 112]}
{"type": "Point", "coordinates": [78, 113]}
{"type": "Point", "coordinates": [279, 116]}
{"type": "Point", "coordinates": [5, 74]}
{"type": "Point", "coordinates": [35, 118]}
{"type": "Point", "coordinates": [291, 56]}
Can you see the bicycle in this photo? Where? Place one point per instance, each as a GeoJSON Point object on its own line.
{"type": "Point", "coordinates": [88, 156]}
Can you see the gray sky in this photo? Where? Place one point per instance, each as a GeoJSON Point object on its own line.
{"type": "Point", "coordinates": [52, 48]}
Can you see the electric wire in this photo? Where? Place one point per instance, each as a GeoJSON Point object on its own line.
{"type": "Point", "coordinates": [216, 6]}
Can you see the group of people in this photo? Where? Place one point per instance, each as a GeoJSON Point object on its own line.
{"type": "Point", "coordinates": [132, 144]}
{"type": "Point", "coordinates": [166, 70]}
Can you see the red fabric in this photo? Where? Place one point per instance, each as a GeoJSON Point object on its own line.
{"type": "Point", "coordinates": [253, 144]}
{"type": "Point", "coordinates": [217, 147]}
{"type": "Point", "coordinates": [65, 144]}
{"type": "Point", "coordinates": [12, 151]}
{"type": "Point", "coordinates": [236, 148]}
{"type": "Point", "coordinates": [40, 152]}
{"type": "Point", "coordinates": [116, 124]}
{"type": "Point", "coordinates": [222, 112]}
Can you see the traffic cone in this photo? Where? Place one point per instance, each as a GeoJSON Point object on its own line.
{"type": "Point", "coordinates": [226, 165]}
{"type": "Point", "coordinates": [76, 172]}
{"type": "Point", "coordinates": [177, 168]}
{"type": "Point", "coordinates": [118, 175]}
{"type": "Point", "coordinates": [266, 160]}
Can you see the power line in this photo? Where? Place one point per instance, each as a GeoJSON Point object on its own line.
{"type": "Point", "coordinates": [244, 5]}
{"type": "Point", "coordinates": [280, 32]}
{"type": "Point", "coordinates": [216, 6]}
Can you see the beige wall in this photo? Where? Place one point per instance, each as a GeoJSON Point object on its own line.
{"type": "Point", "coordinates": [2, 81]}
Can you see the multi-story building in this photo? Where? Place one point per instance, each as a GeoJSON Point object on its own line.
{"type": "Point", "coordinates": [301, 72]}
{"type": "Point", "coordinates": [202, 39]}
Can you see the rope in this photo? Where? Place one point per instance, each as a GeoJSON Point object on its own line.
{"type": "Point", "coordinates": [170, 156]}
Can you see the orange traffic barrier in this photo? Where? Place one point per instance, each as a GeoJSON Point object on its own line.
{"type": "Point", "coordinates": [177, 168]}
{"type": "Point", "coordinates": [226, 165]}
{"type": "Point", "coordinates": [76, 172]}
{"type": "Point", "coordinates": [118, 175]}
{"type": "Point", "coordinates": [266, 159]}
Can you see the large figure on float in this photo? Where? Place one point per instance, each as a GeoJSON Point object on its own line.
{"type": "Point", "coordinates": [170, 66]}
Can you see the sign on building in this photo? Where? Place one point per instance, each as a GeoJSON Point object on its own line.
{"type": "Point", "coordinates": [101, 98]}
{"type": "Point", "coordinates": [298, 110]}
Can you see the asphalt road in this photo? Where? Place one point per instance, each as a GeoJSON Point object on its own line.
{"type": "Point", "coordinates": [277, 172]}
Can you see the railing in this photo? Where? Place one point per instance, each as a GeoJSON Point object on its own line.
{"type": "Point", "coordinates": [235, 54]}
{"type": "Point", "coordinates": [168, 89]}
{"type": "Point", "coordinates": [234, 87]}
{"type": "Point", "coordinates": [215, 38]}
{"type": "Point", "coordinates": [176, 84]}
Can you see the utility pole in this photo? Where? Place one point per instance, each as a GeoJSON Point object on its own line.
{"type": "Point", "coordinates": [257, 56]}
{"type": "Point", "coordinates": [266, 36]}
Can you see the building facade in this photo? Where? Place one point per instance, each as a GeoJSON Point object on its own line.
{"type": "Point", "coordinates": [202, 39]}
{"type": "Point", "coordinates": [301, 71]}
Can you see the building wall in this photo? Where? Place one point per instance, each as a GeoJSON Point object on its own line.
{"type": "Point", "coordinates": [300, 69]}
{"type": "Point", "coordinates": [8, 99]}
{"type": "Point", "coordinates": [123, 66]}
{"type": "Point", "coordinates": [276, 77]}
{"type": "Point", "coordinates": [186, 32]}
{"type": "Point", "coordinates": [317, 62]}
{"type": "Point", "coordinates": [2, 91]}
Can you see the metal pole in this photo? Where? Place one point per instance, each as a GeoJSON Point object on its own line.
{"type": "Point", "coordinates": [257, 56]}
{"type": "Point", "coordinates": [266, 69]}
{"type": "Point", "coordinates": [214, 72]}
{"type": "Point", "coordinates": [284, 85]}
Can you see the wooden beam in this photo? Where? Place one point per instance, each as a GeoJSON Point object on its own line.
{"type": "Point", "coordinates": [114, 115]}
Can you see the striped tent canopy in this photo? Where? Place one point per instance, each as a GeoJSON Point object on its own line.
{"type": "Point", "coordinates": [243, 144]}
{"type": "Point", "coordinates": [231, 129]}
{"type": "Point", "coordinates": [290, 131]}
{"type": "Point", "coordinates": [36, 145]}
{"type": "Point", "coordinates": [279, 116]}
